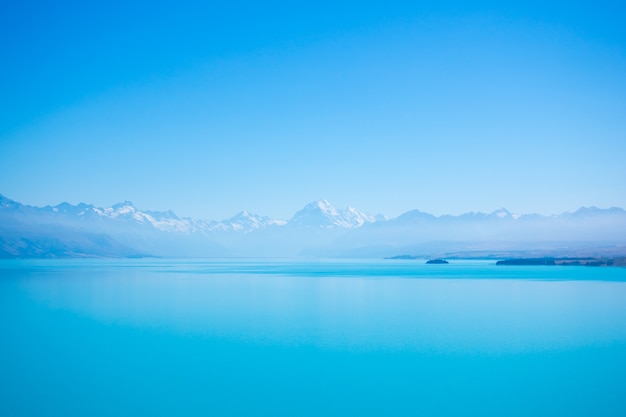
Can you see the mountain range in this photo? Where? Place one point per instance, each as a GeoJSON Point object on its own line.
{"type": "Point", "coordinates": [318, 229]}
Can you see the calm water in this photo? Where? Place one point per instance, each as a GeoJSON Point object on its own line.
{"type": "Point", "coordinates": [310, 338]}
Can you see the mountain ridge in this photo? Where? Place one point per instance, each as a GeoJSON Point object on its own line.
{"type": "Point", "coordinates": [318, 229]}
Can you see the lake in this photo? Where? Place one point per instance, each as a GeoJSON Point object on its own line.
{"type": "Point", "coordinates": [153, 337]}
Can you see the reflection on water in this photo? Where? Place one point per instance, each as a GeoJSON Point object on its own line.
{"type": "Point", "coordinates": [159, 337]}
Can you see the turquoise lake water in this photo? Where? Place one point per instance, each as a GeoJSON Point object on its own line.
{"type": "Point", "coordinates": [310, 338]}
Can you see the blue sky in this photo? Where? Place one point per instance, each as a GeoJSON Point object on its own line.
{"type": "Point", "coordinates": [209, 108]}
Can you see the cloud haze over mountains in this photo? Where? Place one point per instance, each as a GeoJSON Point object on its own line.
{"type": "Point", "coordinates": [318, 229]}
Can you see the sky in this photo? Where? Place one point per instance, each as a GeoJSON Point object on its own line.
{"type": "Point", "coordinates": [210, 108]}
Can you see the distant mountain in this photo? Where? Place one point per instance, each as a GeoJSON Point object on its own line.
{"type": "Point", "coordinates": [54, 242]}
{"type": "Point", "coordinates": [318, 229]}
{"type": "Point", "coordinates": [420, 233]}
{"type": "Point", "coordinates": [84, 230]}
{"type": "Point", "coordinates": [321, 214]}
{"type": "Point", "coordinates": [244, 222]}
{"type": "Point", "coordinates": [124, 230]}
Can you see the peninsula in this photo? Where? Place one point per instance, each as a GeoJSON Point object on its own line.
{"type": "Point", "coordinates": [565, 261]}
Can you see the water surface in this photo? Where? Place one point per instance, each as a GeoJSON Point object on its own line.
{"type": "Point", "coordinates": [310, 338]}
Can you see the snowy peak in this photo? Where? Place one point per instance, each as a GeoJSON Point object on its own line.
{"type": "Point", "coordinates": [358, 218]}
{"type": "Point", "coordinates": [318, 228]}
{"type": "Point", "coordinates": [323, 205]}
{"type": "Point", "coordinates": [254, 220]}
{"type": "Point", "coordinates": [125, 206]}
{"type": "Point", "coordinates": [120, 210]}
{"type": "Point", "coordinates": [245, 222]}
{"type": "Point", "coordinates": [162, 215]}
{"type": "Point", "coordinates": [502, 213]}
{"type": "Point", "coordinates": [67, 208]}
{"type": "Point", "coordinates": [322, 214]}
{"type": "Point", "coordinates": [124, 213]}
{"type": "Point", "coordinates": [320, 206]}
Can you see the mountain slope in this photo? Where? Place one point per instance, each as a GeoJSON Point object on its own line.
{"type": "Point", "coordinates": [418, 232]}
{"type": "Point", "coordinates": [318, 229]}
{"type": "Point", "coordinates": [321, 214]}
{"type": "Point", "coordinates": [84, 230]}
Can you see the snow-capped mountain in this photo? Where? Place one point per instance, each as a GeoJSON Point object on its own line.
{"type": "Point", "coordinates": [419, 232]}
{"type": "Point", "coordinates": [317, 229]}
{"type": "Point", "coordinates": [244, 222]}
{"type": "Point", "coordinates": [86, 230]}
{"type": "Point", "coordinates": [317, 214]}
{"type": "Point", "coordinates": [119, 214]}
{"type": "Point", "coordinates": [321, 214]}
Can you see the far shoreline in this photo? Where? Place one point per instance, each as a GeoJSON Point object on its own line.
{"type": "Point", "coordinates": [566, 261]}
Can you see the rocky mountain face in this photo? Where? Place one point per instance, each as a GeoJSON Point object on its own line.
{"type": "Point", "coordinates": [321, 214]}
{"type": "Point", "coordinates": [318, 229]}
